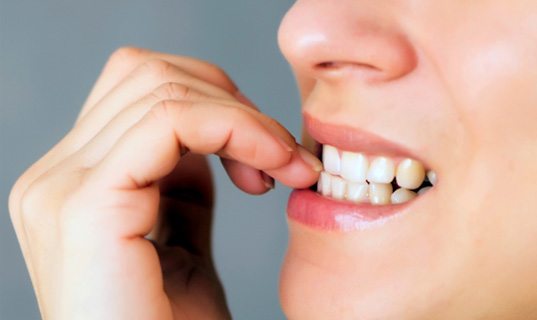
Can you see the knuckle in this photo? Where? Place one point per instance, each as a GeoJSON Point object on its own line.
{"type": "Point", "coordinates": [162, 110]}
{"type": "Point", "coordinates": [272, 123]}
{"type": "Point", "coordinates": [268, 120]}
{"type": "Point", "coordinates": [239, 116]}
{"type": "Point", "coordinates": [158, 70]}
{"type": "Point", "coordinates": [216, 70]}
{"type": "Point", "coordinates": [41, 202]}
{"type": "Point", "coordinates": [221, 76]}
{"type": "Point", "coordinates": [252, 151]}
{"type": "Point", "coordinates": [166, 109]}
{"type": "Point", "coordinates": [173, 90]}
{"type": "Point", "coordinates": [21, 185]}
{"type": "Point", "coordinates": [15, 199]}
{"type": "Point", "coordinates": [126, 56]}
{"type": "Point", "coordinates": [250, 148]}
{"type": "Point", "coordinates": [33, 202]}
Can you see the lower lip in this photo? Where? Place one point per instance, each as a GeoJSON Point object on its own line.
{"type": "Point", "coordinates": [313, 210]}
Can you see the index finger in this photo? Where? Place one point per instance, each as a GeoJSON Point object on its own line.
{"type": "Point", "coordinates": [150, 150]}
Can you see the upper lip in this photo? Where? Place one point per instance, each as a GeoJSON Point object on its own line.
{"type": "Point", "coordinates": [354, 139]}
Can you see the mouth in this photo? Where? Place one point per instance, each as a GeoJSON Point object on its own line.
{"type": "Point", "coordinates": [367, 180]}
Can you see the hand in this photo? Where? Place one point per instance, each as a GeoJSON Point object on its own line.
{"type": "Point", "coordinates": [114, 221]}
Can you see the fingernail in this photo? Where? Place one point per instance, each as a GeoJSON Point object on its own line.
{"type": "Point", "coordinates": [244, 99]}
{"type": "Point", "coordinates": [310, 159]}
{"type": "Point", "coordinates": [268, 181]}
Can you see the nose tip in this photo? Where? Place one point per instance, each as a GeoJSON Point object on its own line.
{"type": "Point", "coordinates": [322, 40]}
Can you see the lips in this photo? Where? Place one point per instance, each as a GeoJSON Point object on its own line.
{"type": "Point", "coordinates": [355, 193]}
{"type": "Point", "coordinates": [353, 139]}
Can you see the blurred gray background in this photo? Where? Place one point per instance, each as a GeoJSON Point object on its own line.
{"type": "Point", "coordinates": [51, 53]}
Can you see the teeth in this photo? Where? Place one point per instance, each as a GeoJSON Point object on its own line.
{"type": "Point", "coordinates": [331, 160]}
{"type": "Point", "coordinates": [382, 170]}
{"type": "Point", "coordinates": [338, 188]}
{"type": "Point", "coordinates": [402, 195]}
{"type": "Point", "coordinates": [431, 175]}
{"type": "Point", "coordinates": [354, 166]}
{"type": "Point", "coordinates": [410, 174]}
{"type": "Point", "coordinates": [380, 193]}
{"type": "Point", "coordinates": [351, 176]}
{"type": "Point", "coordinates": [357, 192]}
{"type": "Point", "coordinates": [325, 184]}
{"type": "Point", "coordinates": [423, 190]}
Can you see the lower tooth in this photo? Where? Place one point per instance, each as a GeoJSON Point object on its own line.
{"type": "Point", "coordinates": [423, 190]}
{"type": "Point", "coordinates": [338, 188]}
{"type": "Point", "coordinates": [377, 193]}
{"type": "Point", "coordinates": [380, 193]}
{"type": "Point", "coordinates": [325, 184]}
{"type": "Point", "coordinates": [357, 192]}
{"type": "Point", "coordinates": [402, 195]}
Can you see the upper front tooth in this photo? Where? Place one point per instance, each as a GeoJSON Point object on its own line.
{"type": "Point", "coordinates": [410, 174]}
{"type": "Point", "coordinates": [381, 170]}
{"type": "Point", "coordinates": [353, 166]}
{"type": "Point", "coordinates": [331, 160]}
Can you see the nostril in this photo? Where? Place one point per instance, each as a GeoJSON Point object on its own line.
{"type": "Point", "coordinates": [327, 65]}
{"type": "Point", "coordinates": [334, 68]}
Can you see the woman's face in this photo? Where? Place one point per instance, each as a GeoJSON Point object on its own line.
{"type": "Point", "coordinates": [452, 83]}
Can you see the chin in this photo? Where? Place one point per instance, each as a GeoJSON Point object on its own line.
{"type": "Point", "coordinates": [341, 277]}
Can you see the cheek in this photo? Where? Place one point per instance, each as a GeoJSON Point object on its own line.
{"type": "Point", "coordinates": [493, 79]}
{"type": "Point", "coordinates": [489, 67]}
{"type": "Point", "coordinates": [496, 92]}
{"type": "Point", "coordinates": [501, 93]}
{"type": "Point", "coordinates": [492, 75]}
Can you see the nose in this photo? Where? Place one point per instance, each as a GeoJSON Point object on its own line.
{"type": "Point", "coordinates": [324, 39]}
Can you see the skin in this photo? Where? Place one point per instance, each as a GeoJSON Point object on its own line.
{"type": "Point", "coordinates": [114, 222]}
{"type": "Point", "coordinates": [453, 81]}
{"type": "Point", "coordinates": [461, 72]}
